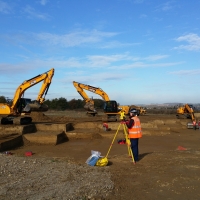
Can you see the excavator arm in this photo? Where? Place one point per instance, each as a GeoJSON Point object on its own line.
{"type": "Point", "coordinates": [89, 106]}
{"type": "Point", "coordinates": [79, 87]}
{"type": "Point", "coordinates": [190, 111]}
{"type": "Point", "coordinates": [46, 77]}
{"type": "Point", "coordinates": [99, 91]}
{"type": "Point", "coordinates": [45, 86]}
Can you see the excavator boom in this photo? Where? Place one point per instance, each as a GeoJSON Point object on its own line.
{"type": "Point", "coordinates": [45, 86]}
{"type": "Point", "coordinates": [96, 90]}
{"type": "Point", "coordinates": [89, 106]}
{"type": "Point", "coordinates": [38, 105]}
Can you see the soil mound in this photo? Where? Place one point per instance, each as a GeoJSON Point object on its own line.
{"type": "Point", "coordinates": [39, 117]}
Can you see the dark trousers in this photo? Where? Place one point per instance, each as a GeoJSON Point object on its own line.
{"type": "Point", "coordinates": [134, 147]}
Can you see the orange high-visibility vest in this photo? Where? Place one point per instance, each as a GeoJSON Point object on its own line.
{"type": "Point", "coordinates": [135, 131]}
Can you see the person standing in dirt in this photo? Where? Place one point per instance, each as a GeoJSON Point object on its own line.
{"type": "Point", "coordinates": [134, 132]}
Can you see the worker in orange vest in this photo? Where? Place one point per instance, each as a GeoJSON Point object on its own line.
{"type": "Point", "coordinates": [194, 124]}
{"type": "Point", "coordinates": [135, 132]}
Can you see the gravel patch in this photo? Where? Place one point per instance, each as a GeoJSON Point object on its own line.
{"type": "Point", "coordinates": [29, 178]}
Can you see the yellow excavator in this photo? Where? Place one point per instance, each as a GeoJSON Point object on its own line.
{"type": "Point", "coordinates": [141, 110]}
{"type": "Point", "coordinates": [187, 111]}
{"type": "Point", "coordinates": [111, 108]}
{"type": "Point", "coordinates": [17, 110]}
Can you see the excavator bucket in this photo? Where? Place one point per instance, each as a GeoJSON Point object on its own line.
{"type": "Point", "coordinates": [27, 108]}
{"type": "Point", "coordinates": [38, 107]}
{"type": "Point", "coordinates": [89, 106]}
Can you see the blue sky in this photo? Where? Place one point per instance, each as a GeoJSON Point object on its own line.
{"type": "Point", "coordinates": [137, 51]}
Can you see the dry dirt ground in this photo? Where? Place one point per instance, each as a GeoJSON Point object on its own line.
{"type": "Point", "coordinates": [169, 165]}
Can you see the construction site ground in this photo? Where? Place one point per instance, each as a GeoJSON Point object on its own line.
{"type": "Point", "coordinates": [169, 160]}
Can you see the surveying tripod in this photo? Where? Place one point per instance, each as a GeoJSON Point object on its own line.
{"type": "Point", "coordinates": [128, 142]}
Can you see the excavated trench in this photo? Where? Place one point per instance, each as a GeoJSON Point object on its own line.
{"type": "Point", "coordinates": [47, 130]}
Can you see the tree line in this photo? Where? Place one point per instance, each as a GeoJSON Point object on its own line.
{"type": "Point", "coordinates": [63, 104]}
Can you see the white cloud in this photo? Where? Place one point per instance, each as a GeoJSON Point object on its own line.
{"type": "Point", "coordinates": [95, 78]}
{"type": "Point", "coordinates": [43, 2]}
{"type": "Point", "coordinates": [75, 38]}
{"type": "Point", "coordinates": [104, 60]}
{"type": "Point", "coordinates": [186, 72]}
{"type": "Point", "coordinates": [116, 44]}
{"type": "Point", "coordinates": [193, 41]}
{"type": "Point", "coordinates": [166, 6]}
{"type": "Point", "coordinates": [145, 65]}
{"type": "Point", "coordinates": [33, 14]}
{"type": "Point", "coordinates": [156, 57]}
{"type": "Point", "coordinates": [4, 7]}
{"type": "Point", "coordinates": [111, 61]}
{"type": "Point", "coordinates": [71, 39]}
{"type": "Point", "coordinates": [108, 62]}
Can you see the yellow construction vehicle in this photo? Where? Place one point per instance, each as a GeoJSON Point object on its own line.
{"type": "Point", "coordinates": [124, 108]}
{"type": "Point", "coordinates": [17, 110]}
{"type": "Point", "coordinates": [141, 110]}
{"type": "Point", "coordinates": [111, 108]}
{"type": "Point", "coordinates": [187, 111]}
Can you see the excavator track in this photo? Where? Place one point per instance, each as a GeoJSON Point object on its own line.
{"type": "Point", "coordinates": [183, 116]}
{"type": "Point", "coordinates": [22, 120]}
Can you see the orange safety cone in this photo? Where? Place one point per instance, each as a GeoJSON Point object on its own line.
{"type": "Point", "coordinates": [181, 148]}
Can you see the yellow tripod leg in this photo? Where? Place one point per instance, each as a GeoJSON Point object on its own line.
{"type": "Point", "coordinates": [128, 142]}
{"type": "Point", "coordinates": [113, 141]}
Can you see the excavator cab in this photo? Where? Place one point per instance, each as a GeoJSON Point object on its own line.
{"type": "Point", "coordinates": [23, 105]}
{"type": "Point", "coordinates": [111, 110]}
{"type": "Point", "coordinates": [111, 107]}
{"type": "Point", "coordinates": [26, 105]}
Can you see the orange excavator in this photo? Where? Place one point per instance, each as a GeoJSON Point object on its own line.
{"type": "Point", "coordinates": [17, 110]}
